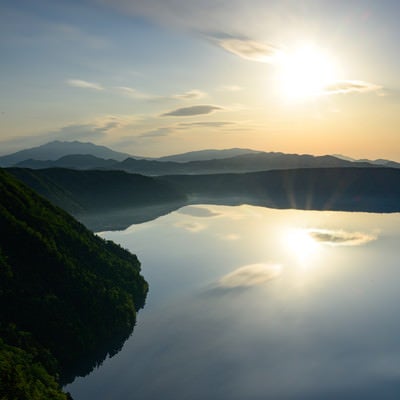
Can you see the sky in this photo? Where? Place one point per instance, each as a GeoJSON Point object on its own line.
{"type": "Point", "coordinates": [158, 77]}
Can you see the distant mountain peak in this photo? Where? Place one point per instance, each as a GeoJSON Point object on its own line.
{"type": "Point", "coordinates": [56, 149]}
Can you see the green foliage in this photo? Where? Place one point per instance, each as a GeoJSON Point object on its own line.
{"type": "Point", "coordinates": [63, 290]}
{"type": "Point", "coordinates": [21, 378]}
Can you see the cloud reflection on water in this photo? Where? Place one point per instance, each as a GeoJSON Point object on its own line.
{"type": "Point", "coordinates": [191, 226]}
{"type": "Point", "coordinates": [198, 212]}
{"type": "Point", "coordinates": [340, 237]}
{"type": "Point", "coordinates": [249, 275]}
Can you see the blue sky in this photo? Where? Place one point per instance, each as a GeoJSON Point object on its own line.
{"type": "Point", "coordinates": [158, 77]}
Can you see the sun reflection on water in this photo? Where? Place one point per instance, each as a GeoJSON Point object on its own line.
{"type": "Point", "coordinates": [301, 245]}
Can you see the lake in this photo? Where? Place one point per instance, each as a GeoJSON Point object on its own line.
{"type": "Point", "coordinates": [253, 303]}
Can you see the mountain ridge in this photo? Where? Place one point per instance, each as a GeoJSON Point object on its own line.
{"type": "Point", "coordinates": [260, 161]}
{"type": "Point", "coordinates": [95, 197]}
{"type": "Point", "coordinates": [248, 162]}
{"type": "Point", "coordinates": [207, 154]}
{"type": "Point", "coordinates": [376, 189]}
{"type": "Point", "coordinates": [56, 149]}
{"type": "Point", "coordinates": [210, 161]}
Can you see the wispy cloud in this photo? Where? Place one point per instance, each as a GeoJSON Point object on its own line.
{"type": "Point", "coordinates": [83, 131]}
{"type": "Point", "coordinates": [118, 120]}
{"type": "Point", "coordinates": [270, 53]}
{"type": "Point", "coordinates": [205, 124]}
{"type": "Point", "coordinates": [351, 86]}
{"type": "Point", "coordinates": [133, 93]}
{"type": "Point", "coordinates": [340, 238]}
{"type": "Point", "coordinates": [208, 15]}
{"type": "Point", "coordinates": [92, 131]}
{"type": "Point", "coordinates": [249, 276]}
{"type": "Point", "coordinates": [156, 133]}
{"type": "Point", "coordinates": [193, 110]}
{"type": "Point", "coordinates": [189, 95]}
{"type": "Point", "coordinates": [137, 94]}
{"type": "Point", "coordinates": [222, 22]}
{"type": "Point", "coordinates": [250, 49]}
{"type": "Point", "coordinates": [84, 84]}
{"type": "Point", "coordinates": [89, 131]}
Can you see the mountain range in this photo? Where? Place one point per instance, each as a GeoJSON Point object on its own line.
{"type": "Point", "coordinates": [252, 162]}
{"type": "Point", "coordinates": [379, 161]}
{"type": "Point", "coordinates": [202, 155]}
{"type": "Point", "coordinates": [56, 149]}
{"type": "Point", "coordinates": [77, 155]}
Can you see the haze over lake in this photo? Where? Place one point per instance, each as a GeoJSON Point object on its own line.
{"type": "Point", "coordinates": [253, 303]}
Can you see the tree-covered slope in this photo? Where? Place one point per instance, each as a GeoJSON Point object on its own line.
{"type": "Point", "coordinates": [91, 191]}
{"type": "Point", "coordinates": [24, 378]}
{"type": "Point", "coordinates": [67, 297]}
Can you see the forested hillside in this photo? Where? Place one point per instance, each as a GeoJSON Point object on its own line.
{"type": "Point", "coordinates": [81, 192]}
{"type": "Point", "coordinates": [67, 297]}
{"type": "Point", "coordinates": [108, 200]}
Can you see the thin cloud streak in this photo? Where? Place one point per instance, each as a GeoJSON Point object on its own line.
{"type": "Point", "coordinates": [136, 94]}
{"type": "Point", "coordinates": [193, 110]}
{"type": "Point", "coordinates": [133, 93]}
{"type": "Point", "coordinates": [205, 124]}
{"type": "Point", "coordinates": [189, 95]}
{"type": "Point", "coordinates": [250, 49]}
{"type": "Point", "coordinates": [80, 131]}
{"type": "Point", "coordinates": [160, 132]}
{"type": "Point", "coordinates": [351, 86]}
{"type": "Point", "coordinates": [79, 83]}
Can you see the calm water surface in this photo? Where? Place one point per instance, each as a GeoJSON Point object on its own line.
{"type": "Point", "coordinates": [253, 303]}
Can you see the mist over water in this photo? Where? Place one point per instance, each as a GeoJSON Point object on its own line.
{"type": "Point", "coordinates": [254, 303]}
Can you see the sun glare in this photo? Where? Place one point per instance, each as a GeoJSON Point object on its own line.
{"type": "Point", "coordinates": [301, 244]}
{"type": "Point", "coordinates": [306, 72]}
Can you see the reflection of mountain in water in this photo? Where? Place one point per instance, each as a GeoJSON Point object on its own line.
{"type": "Point", "coordinates": [87, 362]}
{"type": "Point", "coordinates": [118, 219]}
{"type": "Point", "coordinates": [106, 200]}
{"type": "Point", "coordinates": [344, 189]}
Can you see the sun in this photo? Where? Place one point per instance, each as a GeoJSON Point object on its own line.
{"type": "Point", "coordinates": [305, 72]}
